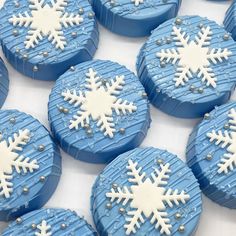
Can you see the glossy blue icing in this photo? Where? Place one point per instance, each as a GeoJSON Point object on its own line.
{"type": "Point", "coordinates": [108, 218]}
{"type": "Point", "coordinates": [74, 225]}
{"type": "Point", "coordinates": [41, 182]}
{"type": "Point", "coordinates": [123, 17]}
{"type": "Point", "coordinates": [89, 143]}
{"type": "Point", "coordinates": [4, 82]}
{"type": "Point", "coordinates": [204, 156]}
{"type": "Point", "coordinates": [230, 20]}
{"type": "Point", "coordinates": [194, 98]}
{"type": "Point", "coordinates": [33, 62]}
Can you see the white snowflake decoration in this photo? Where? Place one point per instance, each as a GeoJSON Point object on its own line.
{"type": "Point", "coordinates": [44, 229]}
{"type": "Point", "coordinates": [9, 159]}
{"type": "Point", "coordinates": [98, 102]}
{"type": "Point", "coordinates": [226, 139]}
{"type": "Point", "coordinates": [147, 196]}
{"type": "Point", "coordinates": [194, 57]}
{"type": "Point", "coordinates": [46, 20]}
{"type": "Point", "coordinates": [137, 2]}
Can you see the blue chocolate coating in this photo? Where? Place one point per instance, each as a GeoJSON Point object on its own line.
{"type": "Point", "coordinates": [82, 41]}
{"type": "Point", "coordinates": [94, 146]}
{"type": "Point", "coordinates": [204, 156]}
{"type": "Point", "coordinates": [41, 182]}
{"type": "Point", "coordinates": [110, 220]}
{"type": "Point", "coordinates": [4, 82]}
{"type": "Point", "coordinates": [123, 17]}
{"type": "Point", "coordinates": [74, 225]}
{"type": "Point", "coordinates": [194, 98]}
{"type": "Point", "coordinates": [230, 20]}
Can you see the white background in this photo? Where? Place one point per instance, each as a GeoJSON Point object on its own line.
{"type": "Point", "coordinates": [166, 132]}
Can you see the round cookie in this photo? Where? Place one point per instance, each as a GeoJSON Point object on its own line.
{"type": "Point", "coordinates": [4, 84]}
{"type": "Point", "coordinates": [97, 110]}
{"type": "Point", "coordinates": [146, 191]}
{"type": "Point", "coordinates": [51, 221]}
{"type": "Point", "coordinates": [187, 66]}
{"type": "Point", "coordinates": [230, 20]}
{"type": "Point", "coordinates": [211, 153]}
{"type": "Point", "coordinates": [134, 18]}
{"type": "Point", "coordinates": [30, 164]}
{"type": "Point", "coordinates": [43, 38]}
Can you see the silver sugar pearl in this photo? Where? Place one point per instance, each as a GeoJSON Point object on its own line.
{"type": "Point", "coordinates": [17, 4]}
{"type": "Point", "coordinates": [168, 40]}
{"type": "Point", "coordinates": [163, 64]}
{"type": "Point", "coordinates": [200, 90]}
{"type": "Point", "coordinates": [35, 68]}
{"type": "Point", "coordinates": [112, 3]}
{"type": "Point", "coordinates": [72, 68]}
{"type": "Point", "coordinates": [226, 36]}
{"type": "Point", "coordinates": [15, 32]}
{"type": "Point", "coordinates": [226, 126]}
{"type": "Point", "coordinates": [159, 42]}
{"type": "Point", "coordinates": [42, 178]}
{"type": "Point", "coordinates": [89, 132]}
{"type": "Point", "coordinates": [41, 147]}
{"type": "Point", "coordinates": [159, 161]}
{"type": "Point", "coordinates": [209, 157]}
{"type": "Point", "coordinates": [86, 126]}
{"type": "Point", "coordinates": [45, 54]}
{"type": "Point", "coordinates": [81, 11]}
{"type": "Point", "coordinates": [108, 205]}
{"type": "Point", "coordinates": [12, 120]}
{"type": "Point", "coordinates": [74, 34]}
{"type": "Point", "coordinates": [90, 15]}
{"type": "Point", "coordinates": [181, 228]}
{"type": "Point", "coordinates": [144, 95]}
{"type": "Point", "coordinates": [122, 210]}
{"type": "Point", "coordinates": [122, 130]}
{"type": "Point", "coordinates": [33, 226]}
{"type": "Point", "coordinates": [65, 110]}
{"type": "Point", "coordinates": [178, 21]}
{"type": "Point", "coordinates": [115, 186]}
{"type": "Point", "coordinates": [63, 226]}
{"type": "Point", "coordinates": [61, 108]}
{"type": "Point", "coordinates": [25, 56]}
{"type": "Point", "coordinates": [207, 116]}
{"type": "Point", "coordinates": [25, 190]}
{"type": "Point", "coordinates": [192, 88]}
{"type": "Point", "coordinates": [178, 216]}
{"type": "Point", "coordinates": [19, 220]}
{"type": "Point", "coordinates": [17, 50]}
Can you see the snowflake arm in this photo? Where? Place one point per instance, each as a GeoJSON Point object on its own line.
{"type": "Point", "coordinates": [227, 163]}
{"type": "Point", "coordinates": [36, 4]}
{"type": "Point", "coordinates": [120, 195]}
{"type": "Point", "coordinates": [116, 85]}
{"type": "Point", "coordinates": [173, 196]}
{"type": "Point", "coordinates": [182, 75]}
{"type": "Point", "coordinates": [70, 19]}
{"type": "Point", "coordinates": [80, 119]}
{"type": "Point", "coordinates": [137, 2]}
{"type": "Point", "coordinates": [180, 37]}
{"type": "Point", "coordinates": [169, 55]}
{"type": "Point", "coordinates": [218, 55]}
{"type": "Point", "coordinates": [57, 38]}
{"type": "Point", "coordinates": [44, 229]}
{"type": "Point", "coordinates": [133, 221]}
{"type": "Point", "coordinates": [232, 120]}
{"type": "Point", "coordinates": [24, 164]}
{"type": "Point", "coordinates": [32, 39]}
{"type": "Point", "coordinates": [73, 98]}
{"type": "Point", "coordinates": [207, 75]}
{"type": "Point", "coordinates": [161, 220]}
{"type": "Point", "coordinates": [59, 5]}
{"type": "Point", "coordinates": [220, 138]}
{"type": "Point", "coordinates": [123, 107]}
{"type": "Point", "coordinates": [93, 81]}
{"type": "Point", "coordinates": [135, 173]}
{"type": "Point", "coordinates": [106, 125]}
{"type": "Point", "coordinates": [204, 36]}
{"type": "Point", "coordinates": [159, 177]}
{"type": "Point", "coordinates": [21, 20]}
{"type": "Point", "coordinates": [19, 139]}
{"type": "Point", "coordinates": [5, 185]}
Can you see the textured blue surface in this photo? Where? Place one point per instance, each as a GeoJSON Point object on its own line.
{"type": "Point", "coordinates": [98, 148]}
{"type": "Point", "coordinates": [183, 101]}
{"type": "Point", "coordinates": [54, 217]}
{"type": "Point", "coordinates": [4, 82]}
{"type": "Point", "coordinates": [123, 17]}
{"type": "Point", "coordinates": [221, 188]}
{"type": "Point", "coordinates": [109, 221]}
{"type": "Point", "coordinates": [48, 159]}
{"type": "Point", "coordinates": [78, 49]}
{"type": "Point", "coordinates": [230, 20]}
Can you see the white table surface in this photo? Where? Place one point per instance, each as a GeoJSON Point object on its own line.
{"type": "Point", "coordinates": [74, 188]}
